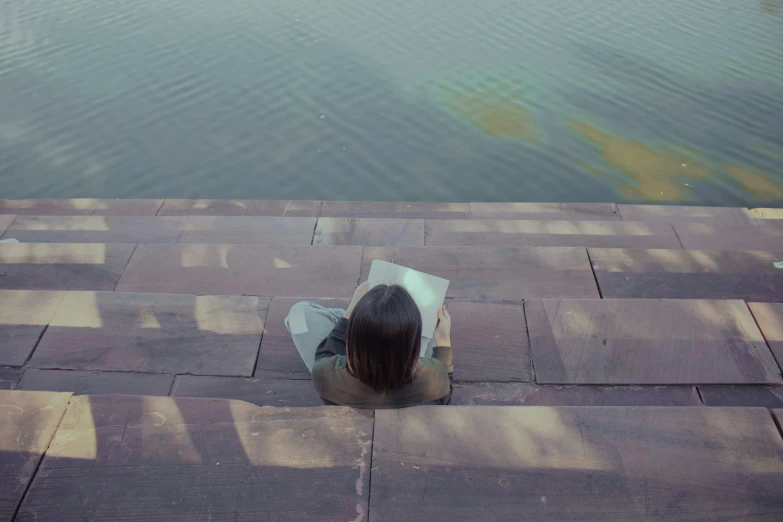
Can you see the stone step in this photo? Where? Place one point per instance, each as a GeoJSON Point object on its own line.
{"type": "Point", "coordinates": [688, 274]}
{"type": "Point", "coordinates": [63, 266]}
{"type": "Point", "coordinates": [381, 209]}
{"type": "Point", "coordinates": [571, 341]}
{"type": "Point", "coordinates": [757, 234]}
{"type": "Point", "coordinates": [599, 463]}
{"type": "Point", "coordinates": [762, 235]}
{"type": "Point", "coordinates": [513, 233]}
{"type": "Point", "coordinates": [83, 206]}
{"type": "Point", "coordinates": [680, 214]}
{"type": "Point", "coordinates": [159, 229]}
{"type": "Point", "coordinates": [185, 458]}
{"type": "Point", "coordinates": [496, 272]}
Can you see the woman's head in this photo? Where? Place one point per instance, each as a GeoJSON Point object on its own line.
{"type": "Point", "coordinates": [384, 338]}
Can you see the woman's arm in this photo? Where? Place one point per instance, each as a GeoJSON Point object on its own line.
{"type": "Point", "coordinates": [442, 350]}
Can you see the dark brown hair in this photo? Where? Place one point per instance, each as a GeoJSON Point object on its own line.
{"type": "Point", "coordinates": [384, 338]}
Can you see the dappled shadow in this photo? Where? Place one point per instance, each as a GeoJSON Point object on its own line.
{"type": "Point", "coordinates": [542, 463]}
{"type": "Point", "coordinates": [62, 266]}
{"type": "Point", "coordinates": [688, 274]}
{"type": "Point", "coordinates": [647, 342]}
{"type": "Point", "coordinates": [242, 269]}
{"type": "Point", "coordinates": [202, 459]}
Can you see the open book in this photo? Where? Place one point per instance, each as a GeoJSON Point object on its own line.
{"type": "Point", "coordinates": [427, 290]}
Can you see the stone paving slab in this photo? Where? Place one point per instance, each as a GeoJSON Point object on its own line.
{"type": "Point", "coordinates": [496, 272]}
{"type": "Point", "coordinates": [769, 317]}
{"type": "Point", "coordinates": [608, 341]}
{"type": "Point", "coordinates": [490, 342]}
{"type": "Point", "coordinates": [262, 392]}
{"type": "Point", "coordinates": [91, 207]}
{"type": "Point", "coordinates": [386, 209]}
{"type": "Point", "coordinates": [162, 458]}
{"type": "Point", "coordinates": [688, 274]}
{"type": "Point", "coordinates": [62, 266]}
{"type": "Point", "coordinates": [543, 463]}
{"type": "Point", "coordinates": [96, 229]}
{"type": "Point", "coordinates": [278, 356]}
{"type": "Point", "coordinates": [676, 214]}
{"type": "Point", "coordinates": [513, 233]}
{"type": "Point", "coordinates": [748, 396]}
{"type": "Point", "coordinates": [249, 230]}
{"type": "Point", "coordinates": [369, 232]}
{"type": "Point", "coordinates": [700, 236]}
{"type": "Point", "coordinates": [766, 213]}
{"type": "Point", "coordinates": [23, 316]}
{"type": "Point", "coordinates": [84, 383]}
{"type": "Point", "coordinates": [5, 221]}
{"type": "Point", "coordinates": [28, 421]}
{"type": "Point", "coordinates": [124, 332]}
{"type": "Point", "coordinates": [551, 395]}
{"type": "Point", "coordinates": [9, 377]}
{"type": "Point", "coordinates": [239, 207]}
{"type": "Point", "coordinates": [243, 269]}
{"type": "Point", "coordinates": [546, 211]}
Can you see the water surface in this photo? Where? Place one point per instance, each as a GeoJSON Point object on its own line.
{"type": "Point", "coordinates": [443, 100]}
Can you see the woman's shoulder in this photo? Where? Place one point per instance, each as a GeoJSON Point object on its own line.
{"type": "Point", "coordinates": [434, 376]}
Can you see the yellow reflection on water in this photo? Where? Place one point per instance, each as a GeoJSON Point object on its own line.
{"type": "Point", "coordinates": [655, 174]}
{"type": "Point", "coordinates": [756, 183]}
{"type": "Point", "coordinates": [499, 112]}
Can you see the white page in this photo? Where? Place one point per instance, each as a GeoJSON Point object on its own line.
{"type": "Point", "coordinates": [427, 290]}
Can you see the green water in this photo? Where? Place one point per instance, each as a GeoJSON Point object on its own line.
{"type": "Point", "coordinates": [555, 100]}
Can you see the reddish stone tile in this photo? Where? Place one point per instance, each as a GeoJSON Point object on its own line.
{"type": "Point", "coordinates": [769, 317]}
{"type": "Point", "coordinates": [547, 211]}
{"type": "Point", "coordinates": [5, 222]}
{"type": "Point", "coordinates": [496, 272]}
{"type": "Point", "coordinates": [263, 392]}
{"type": "Point", "coordinates": [72, 207]}
{"type": "Point", "coordinates": [238, 207]}
{"type": "Point", "coordinates": [249, 230]}
{"type": "Point", "coordinates": [23, 316]}
{"type": "Point", "coordinates": [388, 209]}
{"type": "Point", "coordinates": [369, 232]}
{"type": "Point", "coordinates": [550, 395]}
{"type": "Point", "coordinates": [243, 269]}
{"type": "Point", "coordinates": [607, 341]}
{"type": "Point", "coordinates": [62, 266]}
{"type": "Point", "coordinates": [279, 357]}
{"type": "Point", "coordinates": [700, 236]}
{"type": "Point", "coordinates": [748, 396]}
{"type": "Point", "coordinates": [212, 459]}
{"type": "Point", "coordinates": [9, 377]}
{"type": "Point", "coordinates": [688, 274]}
{"type": "Point", "coordinates": [514, 233]}
{"type": "Point", "coordinates": [677, 214]}
{"type": "Point", "coordinates": [573, 463]}
{"type": "Point", "coordinates": [766, 213]}
{"type": "Point", "coordinates": [96, 229]}
{"type": "Point", "coordinates": [490, 342]}
{"type": "Point", "coordinates": [84, 383]}
{"type": "Point", "coordinates": [28, 421]}
{"type": "Point", "coordinates": [124, 332]}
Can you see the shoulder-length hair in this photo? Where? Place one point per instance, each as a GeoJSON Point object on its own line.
{"type": "Point", "coordinates": [384, 338]}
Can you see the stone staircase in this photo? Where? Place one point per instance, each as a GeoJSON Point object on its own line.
{"type": "Point", "coordinates": [612, 362]}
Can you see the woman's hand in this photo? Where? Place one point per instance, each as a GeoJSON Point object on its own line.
{"type": "Point", "coordinates": [443, 329]}
{"type": "Point", "coordinates": [357, 294]}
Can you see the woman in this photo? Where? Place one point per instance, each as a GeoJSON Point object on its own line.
{"type": "Point", "coordinates": [367, 356]}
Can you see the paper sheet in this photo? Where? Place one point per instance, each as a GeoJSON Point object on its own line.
{"type": "Point", "coordinates": [427, 290]}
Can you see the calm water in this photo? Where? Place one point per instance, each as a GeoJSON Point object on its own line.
{"type": "Point", "coordinates": [451, 100]}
